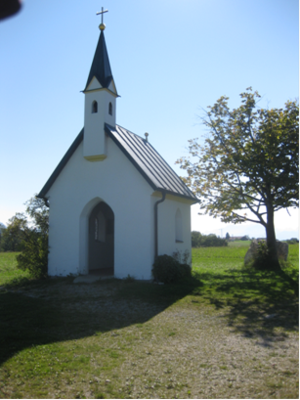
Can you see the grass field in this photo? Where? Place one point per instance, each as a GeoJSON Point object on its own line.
{"type": "Point", "coordinates": [226, 333]}
{"type": "Point", "coordinates": [9, 274]}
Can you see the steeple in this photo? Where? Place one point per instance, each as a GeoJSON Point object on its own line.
{"type": "Point", "coordinates": [100, 68]}
{"type": "Point", "coordinates": [100, 102]}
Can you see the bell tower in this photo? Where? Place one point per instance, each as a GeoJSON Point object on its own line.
{"type": "Point", "coordinates": [100, 101]}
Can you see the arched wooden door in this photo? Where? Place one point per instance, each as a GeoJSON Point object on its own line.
{"type": "Point", "coordinates": [101, 240]}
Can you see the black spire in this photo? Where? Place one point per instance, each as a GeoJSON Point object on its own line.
{"type": "Point", "coordinates": [100, 68]}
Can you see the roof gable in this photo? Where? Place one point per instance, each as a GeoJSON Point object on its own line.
{"type": "Point", "coordinates": [94, 84]}
{"type": "Point", "coordinates": [112, 87]}
{"type": "Point", "coordinates": [142, 155]}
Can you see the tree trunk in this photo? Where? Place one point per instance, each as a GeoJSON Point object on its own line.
{"type": "Point", "coordinates": [271, 238]}
{"type": "Point", "coordinates": [272, 249]}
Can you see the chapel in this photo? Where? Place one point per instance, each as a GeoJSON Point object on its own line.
{"type": "Point", "coordinates": [115, 204]}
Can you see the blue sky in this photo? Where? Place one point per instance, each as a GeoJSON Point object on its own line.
{"type": "Point", "coordinates": [170, 60]}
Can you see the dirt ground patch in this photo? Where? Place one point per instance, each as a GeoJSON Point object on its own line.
{"type": "Point", "coordinates": [187, 349]}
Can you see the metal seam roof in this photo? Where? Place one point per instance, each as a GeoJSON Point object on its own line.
{"type": "Point", "coordinates": [100, 66]}
{"type": "Point", "coordinates": [155, 164]}
{"type": "Point", "coordinates": [149, 160]}
{"type": "Point", "coordinates": [151, 164]}
{"type": "Point", "coordinates": [136, 155]}
{"type": "Point", "coordinates": [142, 154]}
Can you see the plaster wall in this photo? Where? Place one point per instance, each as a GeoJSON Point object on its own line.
{"type": "Point", "coordinates": [94, 146]}
{"type": "Point", "coordinates": [167, 210]}
{"type": "Point", "coordinates": [95, 84]}
{"type": "Point", "coordinates": [79, 187]}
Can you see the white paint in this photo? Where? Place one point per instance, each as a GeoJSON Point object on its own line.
{"type": "Point", "coordinates": [81, 185]}
{"type": "Point", "coordinates": [112, 87]}
{"type": "Point", "coordinates": [178, 226]}
{"type": "Point", "coordinates": [76, 191]}
{"type": "Point", "coordinates": [167, 211]}
{"type": "Point", "coordinates": [94, 84]}
{"type": "Point", "coordinates": [94, 146]}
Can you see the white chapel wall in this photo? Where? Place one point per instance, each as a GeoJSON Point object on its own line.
{"type": "Point", "coordinates": [167, 243]}
{"type": "Point", "coordinates": [78, 188]}
{"type": "Point", "coordinates": [95, 141]}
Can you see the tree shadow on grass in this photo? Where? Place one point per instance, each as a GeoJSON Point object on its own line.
{"type": "Point", "coordinates": [259, 305]}
{"type": "Point", "coordinates": [58, 310]}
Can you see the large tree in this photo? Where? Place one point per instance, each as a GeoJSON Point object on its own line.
{"type": "Point", "coordinates": [247, 168]}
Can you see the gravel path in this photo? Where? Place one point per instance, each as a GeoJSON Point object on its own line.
{"type": "Point", "coordinates": [188, 350]}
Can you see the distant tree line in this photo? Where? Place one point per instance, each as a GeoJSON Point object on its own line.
{"type": "Point", "coordinates": [199, 240]}
{"type": "Point", "coordinates": [12, 236]}
{"type": "Point", "coordinates": [28, 234]}
{"type": "Point", "coordinates": [293, 241]}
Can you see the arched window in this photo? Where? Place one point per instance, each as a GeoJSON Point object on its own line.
{"type": "Point", "coordinates": [110, 109]}
{"type": "Point", "coordinates": [178, 227]}
{"type": "Point", "coordinates": [94, 107]}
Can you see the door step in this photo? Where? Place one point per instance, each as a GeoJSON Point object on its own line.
{"type": "Point", "coordinates": [90, 278]}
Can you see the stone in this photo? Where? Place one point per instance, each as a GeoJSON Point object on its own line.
{"type": "Point", "coordinates": [282, 250]}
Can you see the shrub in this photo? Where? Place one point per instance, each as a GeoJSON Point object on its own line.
{"type": "Point", "coordinates": [167, 270]}
{"type": "Point", "coordinates": [186, 270]}
{"type": "Point", "coordinates": [34, 256]}
{"type": "Point", "coordinates": [181, 257]}
{"type": "Point", "coordinates": [261, 260]}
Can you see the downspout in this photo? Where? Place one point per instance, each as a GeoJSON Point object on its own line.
{"type": "Point", "coordinates": [156, 222]}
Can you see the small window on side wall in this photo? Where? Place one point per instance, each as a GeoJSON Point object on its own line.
{"type": "Point", "coordinates": [178, 227]}
{"type": "Point", "coordinates": [110, 109]}
{"type": "Point", "coordinates": [94, 107]}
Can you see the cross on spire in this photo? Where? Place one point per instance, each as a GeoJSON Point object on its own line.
{"type": "Point", "coordinates": [102, 25]}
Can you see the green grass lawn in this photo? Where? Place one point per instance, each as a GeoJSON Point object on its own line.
{"type": "Point", "coordinates": [9, 274]}
{"type": "Point", "coordinates": [225, 279]}
{"type": "Point", "coordinates": [225, 333]}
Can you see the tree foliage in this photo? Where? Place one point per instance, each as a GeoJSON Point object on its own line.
{"type": "Point", "coordinates": [28, 233]}
{"type": "Point", "coordinates": [199, 240]}
{"type": "Point", "coordinates": [34, 255]}
{"type": "Point", "coordinates": [248, 167]}
{"type": "Point", "coordinates": [12, 236]}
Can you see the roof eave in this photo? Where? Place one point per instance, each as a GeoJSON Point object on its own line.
{"type": "Point", "coordinates": [103, 88]}
{"type": "Point", "coordinates": [61, 165]}
{"type": "Point", "coordinates": [194, 200]}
